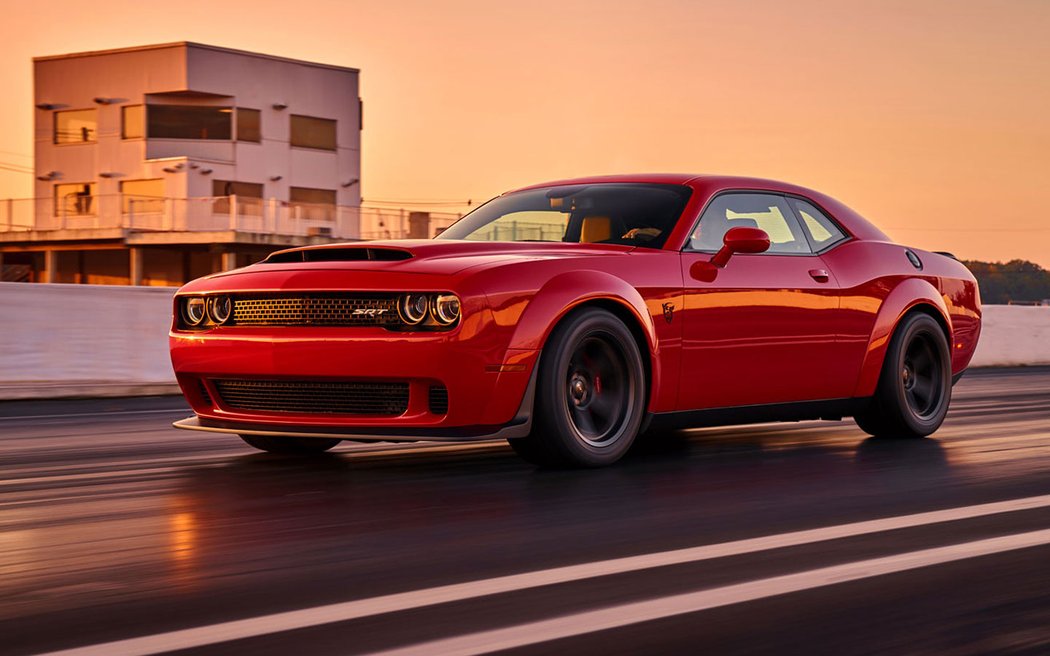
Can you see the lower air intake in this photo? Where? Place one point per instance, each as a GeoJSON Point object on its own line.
{"type": "Point", "coordinates": [314, 397]}
{"type": "Point", "coordinates": [438, 399]}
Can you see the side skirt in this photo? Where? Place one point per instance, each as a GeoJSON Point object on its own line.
{"type": "Point", "coordinates": [831, 410]}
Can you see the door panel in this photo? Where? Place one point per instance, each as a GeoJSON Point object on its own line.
{"type": "Point", "coordinates": [763, 331]}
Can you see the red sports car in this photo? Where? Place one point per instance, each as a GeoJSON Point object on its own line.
{"type": "Point", "coordinates": [571, 317]}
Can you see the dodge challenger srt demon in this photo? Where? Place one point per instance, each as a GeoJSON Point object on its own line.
{"type": "Point", "coordinates": [570, 317]}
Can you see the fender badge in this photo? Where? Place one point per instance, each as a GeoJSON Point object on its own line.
{"type": "Point", "coordinates": [668, 312]}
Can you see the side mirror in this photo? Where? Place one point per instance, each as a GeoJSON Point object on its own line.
{"type": "Point", "coordinates": [740, 240]}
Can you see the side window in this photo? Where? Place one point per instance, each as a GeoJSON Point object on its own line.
{"type": "Point", "coordinates": [822, 231]}
{"type": "Point", "coordinates": [769, 212]}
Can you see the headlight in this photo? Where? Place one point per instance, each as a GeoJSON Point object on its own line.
{"type": "Point", "coordinates": [221, 306]}
{"type": "Point", "coordinates": [194, 310]}
{"type": "Point", "coordinates": [446, 309]}
{"type": "Point", "coordinates": [412, 308]}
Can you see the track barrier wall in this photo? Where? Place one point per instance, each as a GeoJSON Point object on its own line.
{"type": "Point", "coordinates": [99, 340]}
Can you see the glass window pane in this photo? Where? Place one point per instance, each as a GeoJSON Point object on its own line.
{"type": "Point", "coordinates": [613, 213]}
{"type": "Point", "coordinates": [821, 229]}
{"type": "Point", "coordinates": [77, 198]}
{"type": "Point", "coordinates": [312, 203]}
{"type": "Point", "coordinates": [232, 188]}
{"type": "Point", "coordinates": [133, 122]}
{"type": "Point", "coordinates": [189, 122]}
{"type": "Point", "coordinates": [249, 125]}
{"type": "Point", "coordinates": [249, 196]}
{"type": "Point", "coordinates": [142, 196]}
{"type": "Point", "coordinates": [529, 225]}
{"type": "Point", "coordinates": [309, 132]}
{"type": "Point", "coordinates": [76, 126]}
{"type": "Point", "coordinates": [766, 211]}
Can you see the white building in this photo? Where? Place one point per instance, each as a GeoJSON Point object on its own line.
{"type": "Point", "coordinates": [162, 163]}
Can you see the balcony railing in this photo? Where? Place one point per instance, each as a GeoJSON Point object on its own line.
{"type": "Point", "coordinates": [213, 214]}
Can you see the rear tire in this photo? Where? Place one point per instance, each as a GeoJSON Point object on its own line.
{"type": "Point", "coordinates": [915, 386]}
{"type": "Point", "coordinates": [287, 445]}
{"type": "Point", "coordinates": [590, 394]}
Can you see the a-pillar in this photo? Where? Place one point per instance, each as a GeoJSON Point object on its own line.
{"type": "Point", "coordinates": [229, 261]}
{"type": "Point", "coordinates": [50, 266]}
{"type": "Point", "coordinates": [135, 266]}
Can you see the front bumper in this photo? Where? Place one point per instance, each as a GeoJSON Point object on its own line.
{"type": "Point", "coordinates": [487, 384]}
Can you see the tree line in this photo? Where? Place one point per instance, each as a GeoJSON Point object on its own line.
{"type": "Point", "coordinates": [1016, 281]}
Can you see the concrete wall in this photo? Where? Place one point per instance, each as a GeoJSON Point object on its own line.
{"type": "Point", "coordinates": [1013, 335]}
{"type": "Point", "coordinates": [87, 340]}
{"type": "Point", "coordinates": [84, 340]}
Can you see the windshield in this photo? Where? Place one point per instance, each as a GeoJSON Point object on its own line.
{"type": "Point", "coordinates": [603, 213]}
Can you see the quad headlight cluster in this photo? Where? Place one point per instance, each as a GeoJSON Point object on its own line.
{"type": "Point", "coordinates": [441, 309]}
{"type": "Point", "coordinates": [411, 311]}
{"type": "Point", "coordinates": [201, 311]}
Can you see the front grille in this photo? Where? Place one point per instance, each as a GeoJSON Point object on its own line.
{"type": "Point", "coordinates": [438, 400]}
{"type": "Point", "coordinates": [314, 397]}
{"type": "Point", "coordinates": [315, 310]}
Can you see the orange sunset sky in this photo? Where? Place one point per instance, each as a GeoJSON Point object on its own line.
{"type": "Point", "coordinates": [932, 118]}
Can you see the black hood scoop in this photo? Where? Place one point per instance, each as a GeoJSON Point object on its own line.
{"type": "Point", "coordinates": [351, 254]}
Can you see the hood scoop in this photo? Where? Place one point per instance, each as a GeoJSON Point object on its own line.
{"type": "Point", "coordinates": [352, 254]}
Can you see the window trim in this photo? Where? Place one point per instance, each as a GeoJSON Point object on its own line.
{"type": "Point", "coordinates": [54, 127]}
{"type": "Point", "coordinates": [335, 122]}
{"type": "Point", "coordinates": [848, 237]}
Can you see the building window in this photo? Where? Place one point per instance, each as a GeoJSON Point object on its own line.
{"type": "Point", "coordinates": [249, 197]}
{"type": "Point", "coordinates": [312, 203]}
{"type": "Point", "coordinates": [310, 132]}
{"type": "Point", "coordinates": [76, 126]}
{"type": "Point", "coordinates": [189, 122]}
{"type": "Point", "coordinates": [133, 122]}
{"type": "Point", "coordinates": [77, 198]}
{"type": "Point", "coordinates": [142, 196]}
{"type": "Point", "coordinates": [249, 125]}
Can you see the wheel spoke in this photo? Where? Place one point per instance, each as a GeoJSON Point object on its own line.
{"type": "Point", "coordinates": [585, 423]}
{"type": "Point", "coordinates": [922, 391]}
{"type": "Point", "coordinates": [921, 360]}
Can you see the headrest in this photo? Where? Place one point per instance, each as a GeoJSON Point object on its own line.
{"type": "Point", "coordinates": [595, 228]}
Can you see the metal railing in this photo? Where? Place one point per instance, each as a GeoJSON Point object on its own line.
{"type": "Point", "coordinates": [219, 213]}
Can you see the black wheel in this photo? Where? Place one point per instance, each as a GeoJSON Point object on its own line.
{"type": "Point", "coordinates": [300, 446]}
{"type": "Point", "coordinates": [915, 385]}
{"type": "Point", "coordinates": [590, 394]}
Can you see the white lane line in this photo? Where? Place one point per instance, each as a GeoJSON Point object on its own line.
{"type": "Point", "coordinates": [350, 610]}
{"type": "Point", "coordinates": [531, 633]}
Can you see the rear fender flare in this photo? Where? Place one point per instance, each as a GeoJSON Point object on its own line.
{"type": "Point", "coordinates": [905, 297]}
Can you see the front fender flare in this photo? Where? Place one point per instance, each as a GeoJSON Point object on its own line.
{"type": "Point", "coordinates": [567, 291]}
{"type": "Point", "coordinates": [907, 295]}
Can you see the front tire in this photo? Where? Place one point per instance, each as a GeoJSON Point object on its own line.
{"type": "Point", "coordinates": [590, 395]}
{"type": "Point", "coordinates": [287, 445]}
{"type": "Point", "coordinates": [915, 386]}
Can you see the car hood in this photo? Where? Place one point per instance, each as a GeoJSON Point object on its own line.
{"type": "Point", "coordinates": [432, 257]}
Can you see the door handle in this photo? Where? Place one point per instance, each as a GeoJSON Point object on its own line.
{"type": "Point", "coordinates": [820, 275]}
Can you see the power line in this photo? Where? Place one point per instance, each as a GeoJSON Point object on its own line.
{"type": "Point", "coordinates": [951, 230]}
{"type": "Point", "coordinates": [11, 169]}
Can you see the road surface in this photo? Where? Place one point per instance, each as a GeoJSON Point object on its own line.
{"type": "Point", "coordinates": [120, 535]}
